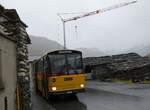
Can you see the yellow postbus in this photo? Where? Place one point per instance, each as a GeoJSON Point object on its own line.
{"type": "Point", "coordinates": [59, 72]}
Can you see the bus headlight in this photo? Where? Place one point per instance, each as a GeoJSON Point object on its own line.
{"type": "Point", "coordinates": [82, 85]}
{"type": "Point", "coordinates": [54, 88]}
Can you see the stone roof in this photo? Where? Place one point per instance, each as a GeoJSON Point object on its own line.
{"type": "Point", "coordinates": [9, 21]}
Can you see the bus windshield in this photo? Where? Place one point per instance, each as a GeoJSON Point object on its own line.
{"type": "Point", "coordinates": [65, 63]}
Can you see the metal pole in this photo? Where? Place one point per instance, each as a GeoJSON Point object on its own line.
{"type": "Point", "coordinates": [64, 34]}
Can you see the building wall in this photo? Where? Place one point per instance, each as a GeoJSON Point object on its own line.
{"type": "Point", "coordinates": [8, 73]}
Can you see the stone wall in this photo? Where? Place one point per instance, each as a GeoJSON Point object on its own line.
{"type": "Point", "coordinates": [22, 68]}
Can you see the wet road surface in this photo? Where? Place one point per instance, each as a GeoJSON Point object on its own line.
{"type": "Point", "coordinates": [97, 99]}
{"type": "Point", "coordinates": [103, 100]}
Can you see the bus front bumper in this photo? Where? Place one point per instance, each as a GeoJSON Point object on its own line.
{"type": "Point", "coordinates": [67, 92]}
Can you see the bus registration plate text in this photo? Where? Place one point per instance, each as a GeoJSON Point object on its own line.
{"type": "Point", "coordinates": [68, 79]}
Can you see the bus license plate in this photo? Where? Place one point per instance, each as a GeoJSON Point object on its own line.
{"type": "Point", "coordinates": [69, 92]}
{"type": "Point", "coordinates": [68, 79]}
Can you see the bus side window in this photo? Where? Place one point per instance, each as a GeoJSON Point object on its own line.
{"type": "Point", "coordinates": [39, 66]}
{"type": "Point", "coordinates": [45, 65]}
{"type": "Point", "coordinates": [36, 67]}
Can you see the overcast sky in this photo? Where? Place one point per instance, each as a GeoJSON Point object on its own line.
{"type": "Point", "coordinates": [116, 30]}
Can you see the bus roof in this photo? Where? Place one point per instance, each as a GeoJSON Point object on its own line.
{"type": "Point", "coordinates": [58, 52]}
{"type": "Point", "coordinates": [64, 52]}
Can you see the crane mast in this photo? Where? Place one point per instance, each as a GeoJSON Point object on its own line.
{"type": "Point", "coordinates": [91, 13]}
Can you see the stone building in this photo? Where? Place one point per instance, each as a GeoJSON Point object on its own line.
{"type": "Point", "coordinates": [123, 66]}
{"type": "Point", "coordinates": [14, 74]}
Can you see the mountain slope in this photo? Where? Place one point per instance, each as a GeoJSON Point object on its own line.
{"type": "Point", "coordinates": [42, 45]}
{"type": "Point", "coordinates": [91, 52]}
{"type": "Point", "coordinates": [142, 50]}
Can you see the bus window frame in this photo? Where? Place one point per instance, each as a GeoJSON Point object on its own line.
{"type": "Point", "coordinates": [48, 68]}
{"type": "Point", "coordinates": [56, 53]}
{"type": "Point", "coordinates": [49, 71]}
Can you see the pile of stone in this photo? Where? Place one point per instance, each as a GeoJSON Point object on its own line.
{"type": "Point", "coordinates": [128, 66]}
{"type": "Point", "coordinates": [110, 59]}
{"type": "Point", "coordinates": [14, 29]}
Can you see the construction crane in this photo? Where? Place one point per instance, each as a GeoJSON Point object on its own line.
{"type": "Point", "coordinates": [91, 13]}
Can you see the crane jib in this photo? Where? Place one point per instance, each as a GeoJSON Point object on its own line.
{"type": "Point", "coordinates": [91, 13]}
{"type": "Point", "coordinates": [100, 11]}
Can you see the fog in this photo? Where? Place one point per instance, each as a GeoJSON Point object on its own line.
{"type": "Point", "coordinates": [116, 30]}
